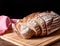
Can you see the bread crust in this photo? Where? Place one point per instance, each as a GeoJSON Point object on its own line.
{"type": "Point", "coordinates": [38, 24]}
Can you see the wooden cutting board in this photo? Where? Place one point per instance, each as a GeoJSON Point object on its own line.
{"type": "Point", "coordinates": [39, 41]}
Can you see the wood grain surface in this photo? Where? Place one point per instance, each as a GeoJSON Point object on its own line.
{"type": "Point", "coordinates": [5, 43]}
{"type": "Point", "coordinates": [36, 41]}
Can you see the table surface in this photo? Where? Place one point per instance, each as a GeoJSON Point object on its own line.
{"type": "Point", "coordinates": [5, 43]}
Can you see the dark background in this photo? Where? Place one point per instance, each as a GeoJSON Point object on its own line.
{"type": "Point", "coordinates": [21, 8]}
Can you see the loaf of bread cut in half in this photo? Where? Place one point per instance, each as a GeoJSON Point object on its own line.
{"type": "Point", "coordinates": [37, 24]}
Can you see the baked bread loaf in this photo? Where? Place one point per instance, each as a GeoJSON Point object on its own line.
{"type": "Point", "coordinates": [37, 24]}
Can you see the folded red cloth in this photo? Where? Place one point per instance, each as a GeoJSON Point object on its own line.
{"type": "Point", "coordinates": [6, 23]}
{"type": "Point", "coordinates": [14, 20]}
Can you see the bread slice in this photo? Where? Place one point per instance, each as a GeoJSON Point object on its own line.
{"type": "Point", "coordinates": [35, 26]}
{"type": "Point", "coordinates": [41, 23]}
{"type": "Point", "coordinates": [24, 30]}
